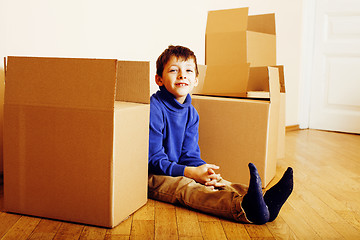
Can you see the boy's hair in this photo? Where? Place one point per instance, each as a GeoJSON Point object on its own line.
{"type": "Point", "coordinates": [177, 51]}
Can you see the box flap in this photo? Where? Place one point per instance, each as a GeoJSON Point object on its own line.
{"type": "Point", "coordinates": [65, 82]}
{"type": "Point", "coordinates": [224, 48]}
{"type": "Point", "coordinates": [264, 79]}
{"type": "Point", "coordinates": [201, 78]}
{"type": "Point", "coordinates": [264, 23]}
{"type": "Point", "coordinates": [274, 84]}
{"type": "Point", "coordinates": [229, 20]}
{"type": "Point", "coordinates": [281, 78]}
{"type": "Point", "coordinates": [258, 80]}
{"type": "Point", "coordinates": [133, 83]}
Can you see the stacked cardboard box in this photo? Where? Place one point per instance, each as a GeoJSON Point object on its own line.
{"type": "Point", "coordinates": [234, 128]}
{"type": "Point", "coordinates": [76, 138]}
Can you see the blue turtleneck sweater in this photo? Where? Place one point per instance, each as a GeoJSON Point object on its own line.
{"type": "Point", "coordinates": [173, 140]}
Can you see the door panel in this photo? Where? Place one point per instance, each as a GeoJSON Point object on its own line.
{"type": "Point", "coordinates": [335, 96]}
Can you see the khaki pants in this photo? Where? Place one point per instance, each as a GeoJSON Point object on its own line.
{"type": "Point", "coordinates": [223, 202]}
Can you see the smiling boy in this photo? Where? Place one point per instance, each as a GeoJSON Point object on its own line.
{"type": "Point", "coordinates": [177, 174]}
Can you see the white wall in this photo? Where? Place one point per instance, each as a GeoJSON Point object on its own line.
{"type": "Point", "coordinates": [138, 30]}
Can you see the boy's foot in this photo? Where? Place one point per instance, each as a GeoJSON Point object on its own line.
{"type": "Point", "coordinates": [253, 202]}
{"type": "Point", "coordinates": [276, 196]}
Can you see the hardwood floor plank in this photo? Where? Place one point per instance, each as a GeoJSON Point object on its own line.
{"type": "Point", "coordinates": [297, 223]}
{"type": "Point", "coordinates": [234, 230]}
{"type": "Point", "coordinates": [22, 228]}
{"type": "Point", "coordinates": [187, 222]}
{"type": "Point", "coordinates": [142, 229]}
{"type": "Point", "coordinates": [69, 231]}
{"type": "Point", "coordinates": [190, 238]}
{"type": "Point", "coordinates": [46, 229]}
{"type": "Point", "coordinates": [313, 219]}
{"type": "Point", "coordinates": [93, 233]}
{"type": "Point", "coordinates": [116, 237]}
{"type": "Point", "coordinates": [257, 231]}
{"type": "Point", "coordinates": [146, 212]}
{"type": "Point", "coordinates": [280, 230]}
{"type": "Point", "coordinates": [202, 217]}
{"type": "Point", "coordinates": [165, 224]}
{"type": "Point", "coordinates": [346, 230]}
{"type": "Point", "coordinates": [123, 229]}
{"type": "Point", "coordinates": [7, 220]}
{"type": "Point", "coordinates": [212, 230]}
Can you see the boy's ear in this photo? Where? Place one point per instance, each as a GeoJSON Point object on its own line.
{"type": "Point", "coordinates": [158, 80]}
{"type": "Point", "coordinates": [196, 82]}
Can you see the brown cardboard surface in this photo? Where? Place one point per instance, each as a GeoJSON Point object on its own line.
{"type": "Point", "coordinates": [225, 78]}
{"type": "Point", "coordinates": [58, 163]}
{"type": "Point", "coordinates": [258, 83]}
{"type": "Point", "coordinates": [229, 20]}
{"type": "Point", "coordinates": [282, 115]}
{"type": "Point", "coordinates": [202, 73]}
{"type": "Point", "coordinates": [234, 41]}
{"type": "Point", "coordinates": [261, 49]}
{"type": "Point", "coordinates": [234, 132]}
{"type": "Point", "coordinates": [68, 156]}
{"type": "Point", "coordinates": [131, 144]}
{"type": "Point", "coordinates": [75, 83]}
{"type": "Point", "coordinates": [264, 23]}
{"type": "Point", "coordinates": [129, 90]}
{"type": "Point", "coordinates": [234, 37]}
{"type": "Point", "coordinates": [2, 88]}
{"type": "Point", "coordinates": [229, 48]}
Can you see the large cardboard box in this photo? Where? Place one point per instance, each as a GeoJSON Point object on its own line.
{"type": "Point", "coordinates": [234, 131]}
{"type": "Point", "coordinates": [234, 42]}
{"type": "Point", "coordinates": [76, 138]}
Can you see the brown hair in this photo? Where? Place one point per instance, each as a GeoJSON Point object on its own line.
{"type": "Point", "coordinates": [177, 51]}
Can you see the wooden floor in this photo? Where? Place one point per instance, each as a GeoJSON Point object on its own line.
{"type": "Point", "coordinates": [325, 203]}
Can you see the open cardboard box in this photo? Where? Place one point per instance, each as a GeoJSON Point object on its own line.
{"type": "Point", "coordinates": [76, 138]}
{"type": "Point", "coordinates": [234, 131]}
{"type": "Point", "coordinates": [235, 42]}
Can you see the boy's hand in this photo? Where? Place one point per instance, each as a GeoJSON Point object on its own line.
{"type": "Point", "coordinates": [204, 174]}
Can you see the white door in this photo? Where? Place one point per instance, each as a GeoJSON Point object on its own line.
{"type": "Point", "coordinates": [335, 78]}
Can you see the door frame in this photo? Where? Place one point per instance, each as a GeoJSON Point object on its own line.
{"type": "Point", "coordinates": [307, 60]}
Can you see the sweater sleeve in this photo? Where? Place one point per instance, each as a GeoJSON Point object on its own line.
{"type": "Point", "coordinates": [191, 151]}
{"type": "Point", "coordinates": [159, 162]}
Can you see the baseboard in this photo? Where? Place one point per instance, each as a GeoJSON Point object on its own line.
{"type": "Point", "coordinates": [292, 128]}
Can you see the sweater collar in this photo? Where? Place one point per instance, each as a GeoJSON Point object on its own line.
{"type": "Point", "coordinates": [170, 101]}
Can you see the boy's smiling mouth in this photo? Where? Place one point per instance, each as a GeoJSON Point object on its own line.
{"type": "Point", "coordinates": [181, 84]}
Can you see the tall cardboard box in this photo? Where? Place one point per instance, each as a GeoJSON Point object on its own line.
{"type": "Point", "coordinates": [234, 42]}
{"type": "Point", "coordinates": [76, 138]}
{"type": "Point", "coordinates": [234, 131]}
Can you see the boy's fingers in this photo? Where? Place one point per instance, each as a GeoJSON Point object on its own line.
{"type": "Point", "coordinates": [213, 166]}
{"type": "Point", "coordinates": [215, 177]}
{"type": "Point", "coordinates": [218, 184]}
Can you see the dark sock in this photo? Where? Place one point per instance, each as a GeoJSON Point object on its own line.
{"type": "Point", "coordinates": [276, 196]}
{"type": "Point", "coordinates": [253, 202]}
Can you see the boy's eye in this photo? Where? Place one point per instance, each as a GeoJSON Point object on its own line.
{"type": "Point", "coordinates": [173, 70]}
{"type": "Point", "coordinates": [189, 70]}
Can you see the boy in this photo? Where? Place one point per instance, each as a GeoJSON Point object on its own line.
{"type": "Point", "coordinates": [177, 174]}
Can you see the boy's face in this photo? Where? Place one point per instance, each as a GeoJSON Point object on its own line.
{"type": "Point", "coordinates": [179, 77]}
